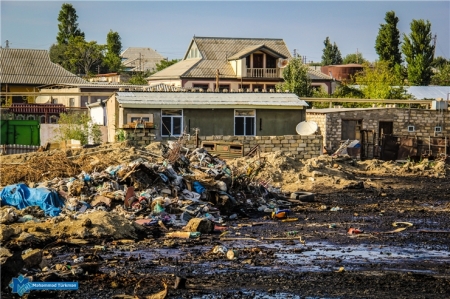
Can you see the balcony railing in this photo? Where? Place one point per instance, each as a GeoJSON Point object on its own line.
{"type": "Point", "coordinates": [262, 73]}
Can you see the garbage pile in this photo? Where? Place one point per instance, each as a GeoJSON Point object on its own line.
{"type": "Point", "coordinates": [181, 187]}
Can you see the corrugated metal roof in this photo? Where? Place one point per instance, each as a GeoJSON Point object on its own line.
{"type": "Point", "coordinates": [429, 92]}
{"type": "Point", "coordinates": [316, 74]}
{"type": "Point", "coordinates": [27, 66]}
{"type": "Point", "coordinates": [176, 70]}
{"type": "Point", "coordinates": [142, 59]}
{"type": "Point", "coordinates": [210, 100]}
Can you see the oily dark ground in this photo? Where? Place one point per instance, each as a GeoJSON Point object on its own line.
{"type": "Point", "coordinates": [261, 272]}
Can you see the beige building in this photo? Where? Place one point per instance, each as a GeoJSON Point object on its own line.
{"type": "Point", "coordinates": [233, 64]}
{"type": "Point", "coordinates": [137, 59]}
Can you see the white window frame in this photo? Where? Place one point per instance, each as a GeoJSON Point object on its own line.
{"type": "Point", "coordinates": [254, 122]}
{"type": "Point", "coordinates": [171, 123]}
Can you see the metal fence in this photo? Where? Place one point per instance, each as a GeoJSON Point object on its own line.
{"type": "Point", "coordinates": [10, 149]}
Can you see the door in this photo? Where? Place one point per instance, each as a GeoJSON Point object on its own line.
{"type": "Point", "coordinates": [258, 61]}
{"type": "Point", "coordinates": [385, 127]}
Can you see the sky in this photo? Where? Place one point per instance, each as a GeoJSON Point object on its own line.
{"type": "Point", "coordinates": [169, 26]}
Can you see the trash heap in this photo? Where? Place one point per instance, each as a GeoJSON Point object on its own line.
{"type": "Point", "coordinates": [182, 188]}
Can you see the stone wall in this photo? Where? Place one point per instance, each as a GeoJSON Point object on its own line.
{"type": "Point", "coordinates": [423, 120]}
{"type": "Point", "coordinates": [302, 147]}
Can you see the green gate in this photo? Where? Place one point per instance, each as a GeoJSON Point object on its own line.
{"type": "Point", "coordinates": [24, 132]}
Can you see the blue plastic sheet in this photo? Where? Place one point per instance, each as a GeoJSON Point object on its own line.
{"type": "Point", "coordinates": [21, 196]}
{"type": "Point", "coordinates": [198, 187]}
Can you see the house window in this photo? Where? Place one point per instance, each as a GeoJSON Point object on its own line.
{"type": "Point", "coordinates": [244, 122]}
{"type": "Point", "coordinates": [42, 119]}
{"type": "Point", "coordinates": [30, 117]}
{"type": "Point", "coordinates": [71, 102]}
{"type": "Point", "coordinates": [202, 86]}
{"type": "Point", "coordinates": [222, 87]}
{"type": "Point", "coordinates": [53, 119]}
{"type": "Point", "coordinates": [271, 62]}
{"type": "Point", "coordinates": [134, 117]}
{"type": "Point", "coordinates": [244, 86]}
{"type": "Point", "coordinates": [247, 61]}
{"type": "Point", "coordinates": [171, 122]}
{"type": "Point", "coordinates": [54, 101]}
{"type": "Point", "coordinates": [257, 87]}
{"type": "Point", "coordinates": [20, 117]}
{"type": "Point", "coordinates": [140, 119]}
{"type": "Point", "coordinates": [351, 129]}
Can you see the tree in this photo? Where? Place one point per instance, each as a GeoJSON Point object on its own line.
{"type": "Point", "coordinates": [380, 82]}
{"type": "Point", "coordinates": [77, 126]}
{"type": "Point", "coordinates": [165, 63]}
{"type": "Point", "coordinates": [139, 78]}
{"type": "Point", "coordinates": [387, 44]}
{"type": "Point", "coordinates": [441, 76]}
{"type": "Point", "coordinates": [331, 54]}
{"type": "Point", "coordinates": [418, 51]}
{"type": "Point", "coordinates": [112, 59]}
{"type": "Point", "coordinates": [296, 79]}
{"type": "Point", "coordinates": [68, 26]}
{"type": "Point", "coordinates": [354, 58]}
{"type": "Point", "coordinates": [57, 55]}
{"type": "Point", "coordinates": [84, 55]}
{"type": "Point", "coordinates": [439, 62]}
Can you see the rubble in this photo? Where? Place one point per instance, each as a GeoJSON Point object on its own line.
{"type": "Point", "coordinates": [119, 196]}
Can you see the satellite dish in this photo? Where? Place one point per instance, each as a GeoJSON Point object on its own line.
{"type": "Point", "coordinates": [282, 63]}
{"type": "Point", "coordinates": [306, 128]}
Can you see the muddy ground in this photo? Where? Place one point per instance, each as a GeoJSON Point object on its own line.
{"type": "Point", "coordinates": [399, 209]}
{"type": "Point", "coordinates": [314, 257]}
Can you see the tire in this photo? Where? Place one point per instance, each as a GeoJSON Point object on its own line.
{"type": "Point", "coordinates": [303, 196]}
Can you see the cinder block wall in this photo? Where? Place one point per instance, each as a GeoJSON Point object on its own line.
{"type": "Point", "coordinates": [302, 147]}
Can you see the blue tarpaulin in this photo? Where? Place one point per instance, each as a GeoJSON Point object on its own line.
{"type": "Point", "coordinates": [21, 196]}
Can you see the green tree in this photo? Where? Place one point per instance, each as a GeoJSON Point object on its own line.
{"type": "Point", "coordinates": [84, 55]}
{"type": "Point", "coordinates": [418, 51]}
{"type": "Point", "coordinates": [77, 126]}
{"type": "Point", "coordinates": [331, 54]}
{"type": "Point", "coordinates": [441, 76]}
{"type": "Point", "coordinates": [139, 79]}
{"type": "Point", "coordinates": [68, 26]}
{"type": "Point", "coordinates": [165, 63]}
{"type": "Point", "coordinates": [57, 55]}
{"type": "Point", "coordinates": [354, 58]}
{"type": "Point", "coordinates": [112, 59]}
{"type": "Point", "coordinates": [296, 79]}
{"type": "Point", "coordinates": [387, 44]}
{"type": "Point", "coordinates": [439, 62]}
{"type": "Point", "coordinates": [378, 81]}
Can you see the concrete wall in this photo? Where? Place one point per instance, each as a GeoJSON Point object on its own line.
{"type": "Point", "coordinates": [303, 147]}
{"type": "Point", "coordinates": [424, 121]}
{"type": "Point", "coordinates": [48, 133]}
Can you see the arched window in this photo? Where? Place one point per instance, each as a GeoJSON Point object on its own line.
{"type": "Point", "coordinates": [20, 117]}
{"type": "Point", "coordinates": [53, 119]}
{"type": "Point", "coordinates": [31, 117]}
{"type": "Point", "coordinates": [42, 119]}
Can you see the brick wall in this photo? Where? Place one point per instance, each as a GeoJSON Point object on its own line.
{"type": "Point", "coordinates": [423, 120]}
{"type": "Point", "coordinates": [302, 147]}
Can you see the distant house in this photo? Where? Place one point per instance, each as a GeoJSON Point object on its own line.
{"type": "Point", "coordinates": [110, 78]}
{"type": "Point", "coordinates": [171, 114]}
{"type": "Point", "coordinates": [232, 64]}
{"type": "Point", "coordinates": [140, 59]}
{"type": "Point", "coordinates": [342, 72]}
{"type": "Point", "coordinates": [25, 70]}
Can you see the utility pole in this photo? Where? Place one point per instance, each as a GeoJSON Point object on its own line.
{"type": "Point", "coordinates": [7, 44]}
{"type": "Point", "coordinates": [357, 60]}
{"type": "Point", "coordinates": [295, 53]}
{"type": "Point", "coordinates": [434, 44]}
